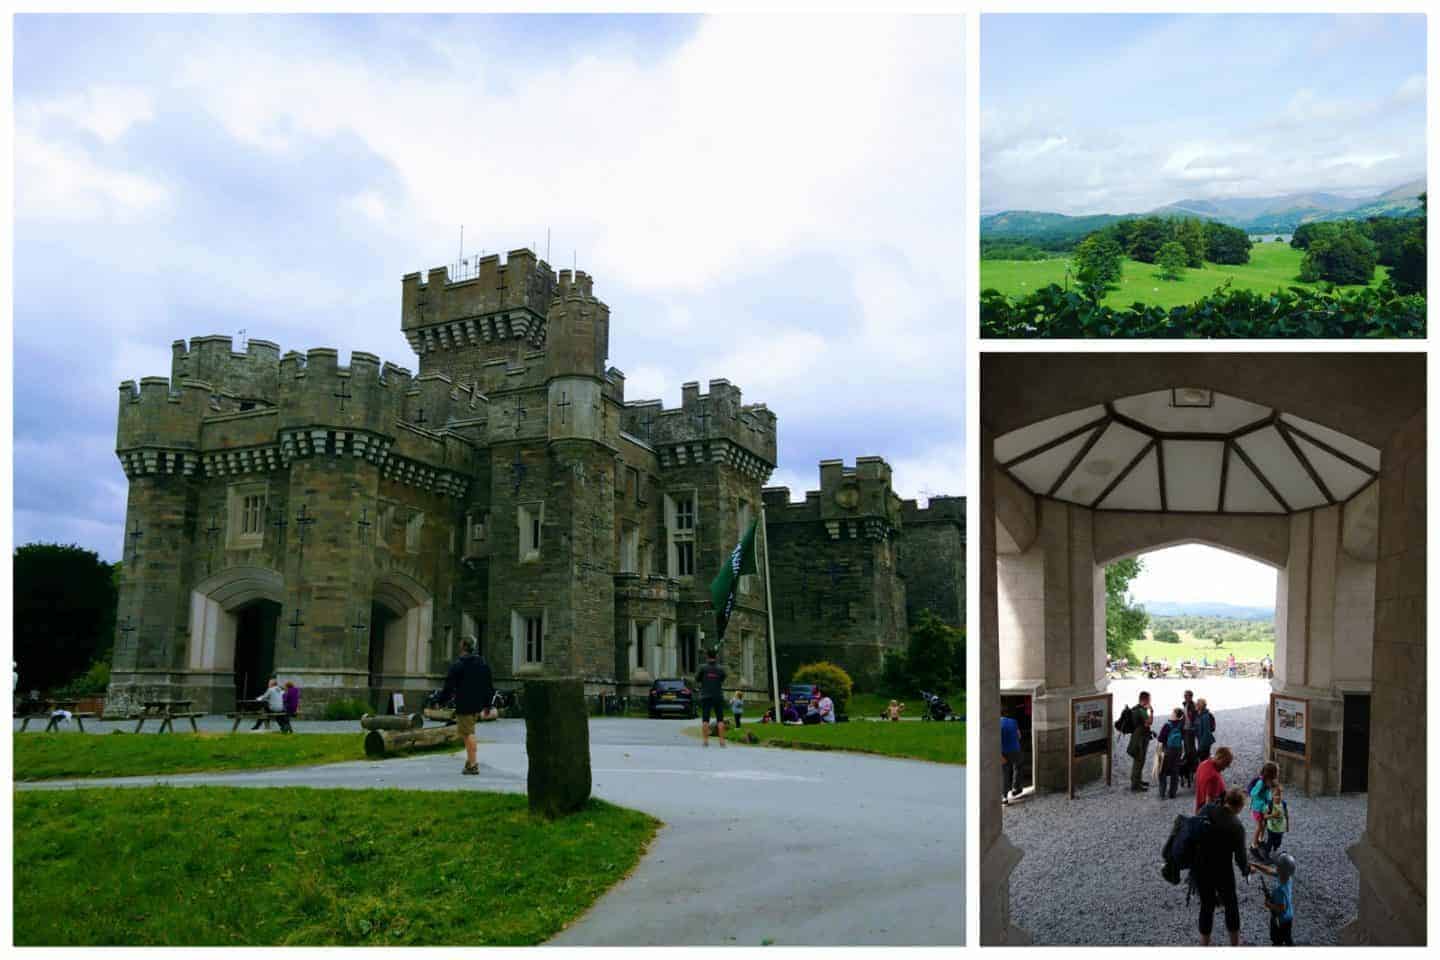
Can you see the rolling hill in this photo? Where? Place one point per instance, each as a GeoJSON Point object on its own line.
{"type": "Point", "coordinates": [1206, 608]}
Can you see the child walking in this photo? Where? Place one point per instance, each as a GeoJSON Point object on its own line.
{"type": "Point", "coordinates": [737, 707]}
{"type": "Point", "coordinates": [1280, 900]}
{"type": "Point", "coordinates": [1262, 790]}
{"type": "Point", "coordinates": [1277, 822]}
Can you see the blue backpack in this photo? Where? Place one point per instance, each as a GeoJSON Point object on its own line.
{"type": "Point", "coordinates": [1176, 738]}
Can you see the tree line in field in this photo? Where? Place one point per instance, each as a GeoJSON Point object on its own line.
{"type": "Point", "coordinates": [1347, 251]}
{"type": "Point", "coordinates": [1220, 631]}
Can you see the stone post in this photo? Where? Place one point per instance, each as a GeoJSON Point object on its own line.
{"type": "Point", "coordinates": [557, 742]}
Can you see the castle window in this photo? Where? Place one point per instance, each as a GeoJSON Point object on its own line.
{"type": "Point", "coordinates": [530, 517]}
{"type": "Point", "coordinates": [680, 523]}
{"type": "Point", "coordinates": [527, 634]}
{"type": "Point", "coordinates": [629, 548]}
{"type": "Point", "coordinates": [645, 646]}
{"type": "Point", "coordinates": [413, 527]}
{"type": "Point", "coordinates": [632, 484]}
{"type": "Point", "coordinates": [245, 515]}
{"type": "Point", "coordinates": [689, 651]}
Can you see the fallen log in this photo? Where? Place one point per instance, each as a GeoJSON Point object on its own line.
{"type": "Point", "coordinates": [441, 714]}
{"type": "Point", "coordinates": [401, 721]}
{"type": "Point", "coordinates": [382, 743]}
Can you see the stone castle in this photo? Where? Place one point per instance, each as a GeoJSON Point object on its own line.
{"type": "Point", "coordinates": [344, 527]}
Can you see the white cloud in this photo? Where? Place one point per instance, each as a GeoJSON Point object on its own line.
{"type": "Point", "coordinates": [107, 112]}
{"type": "Point", "coordinates": [54, 181]}
{"type": "Point", "coordinates": [1194, 572]}
{"type": "Point", "coordinates": [368, 204]}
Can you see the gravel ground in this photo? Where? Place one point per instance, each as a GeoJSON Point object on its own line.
{"type": "Point", "coordinates": [1087, 862]}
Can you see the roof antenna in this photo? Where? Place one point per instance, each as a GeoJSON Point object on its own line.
{"type": "Point", "coordinates": [462, 243]}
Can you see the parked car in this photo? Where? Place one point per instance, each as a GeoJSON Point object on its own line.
{"type": "Point", "coordinates": [671, 696]}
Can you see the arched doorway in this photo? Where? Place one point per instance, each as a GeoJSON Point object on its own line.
{"type": "Point", "coordinates": [234, 617]}
{"type": "Point", "coordinates": [401, 624]}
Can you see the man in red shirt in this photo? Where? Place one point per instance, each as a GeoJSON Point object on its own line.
{"type": "Point", "coordinates": [1209, 784]}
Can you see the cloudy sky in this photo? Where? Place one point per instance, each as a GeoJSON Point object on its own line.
{"type": "Point", "coordinates": [775, 201]}
{"type": "Point", "coordinates": [1193, 572]}
{"type": "Point", "coordinates": [1122, 113]}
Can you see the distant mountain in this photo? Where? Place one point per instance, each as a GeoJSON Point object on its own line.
{"type": "Point", "coordinates": [1207, 608]}
{"type": "Point", "coordinates": [1254, 214]}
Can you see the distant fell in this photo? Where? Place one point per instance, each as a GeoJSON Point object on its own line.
{"type": "Point", "coordinates": [1281, 214]}
{"type": "Point", "coordinates": [1207, 608]}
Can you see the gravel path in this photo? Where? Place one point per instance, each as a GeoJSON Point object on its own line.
{"type": "Point", "coordinates": [1087, 861]}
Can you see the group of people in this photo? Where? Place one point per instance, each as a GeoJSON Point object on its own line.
{"type": "Point", "coordinates": [819, 709]}
{"type": "Point", "coordinates": [1186, 740]}
{"type": "Point", "coordinates": [283, 701]}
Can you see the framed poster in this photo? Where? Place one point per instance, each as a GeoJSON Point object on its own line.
{"type": "Point", "coordinates": [397, 703]}
{"type": "Point", "coordinates": [1090, 732]}
{"type": "Point", "coordinates": [1289, 720]}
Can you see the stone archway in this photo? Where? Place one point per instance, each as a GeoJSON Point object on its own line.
{"type": "Point", "coordinates": [402, 618]}
{"type": "Point", "coordinates": [1349, 537]}
{"type": "Point", "coordinates": [216, 605]}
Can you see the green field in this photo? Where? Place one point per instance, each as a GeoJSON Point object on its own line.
{"type": "Point", "coordinates": [209, 866]}
{"type": "Point", "coordinates": [910, 739]}
{"type": "Point", "coordinates": [53, 756]}
{"type": "Point", "coordinates": [1272, 266]}
{"type": "Point", "coordinates": [1191, 649]}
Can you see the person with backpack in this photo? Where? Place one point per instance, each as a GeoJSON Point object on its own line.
{"type": "Point", "coordinates": [1172, 743]}
{"type": "Point", "coordinates": [1136, 721]}
{"type": "Point", "coordinates": [1191, 759]}
{"type": "Point", "coordinates": [472, 685]}
{"type": "Point", "coordinates": [1221, 842]}
{"type": "Point", "coordinates": [1009, 756]}
{"type": "Point", "coordinates": [1204, 730]}
{"type": "Point", "coordinates": [1261, 791]}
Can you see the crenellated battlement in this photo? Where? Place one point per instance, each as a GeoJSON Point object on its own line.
{"type": "Point", "coordinates": [492, 307]}
{"type": "Point", "coordinates": [857, 500]}
{"type": "Point", "coordinates": [719, 414]}
{"type": "Point", "coordinates": [939, 509]}
{"type": "Point", "coordinates": [249, 376]}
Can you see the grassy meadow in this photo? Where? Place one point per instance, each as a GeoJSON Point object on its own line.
{"type": "Point", "coordinates": [1191, 648]}
{"type": "Point", "coordinates": [914, 740]}
{"type": "Point", "coordinates": [208, 866]}
{"type": "Point", "coordinates": [1272, 266]}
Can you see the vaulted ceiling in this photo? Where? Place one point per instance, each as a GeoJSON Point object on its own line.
{"type": "Point", "coordinates": [1187, 449]}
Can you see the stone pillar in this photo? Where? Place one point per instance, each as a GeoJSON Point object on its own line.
{"type": "Point", "coordinates": [557, 744]}
{"type": "Point", "coordinates": [1390, 855]}
{"type": "Point", "coordinates": [1324, 626]}
{"type": "Point", "coordinates": [1051, 628]}
{"type": "Point", "coordinates": [998, 856]}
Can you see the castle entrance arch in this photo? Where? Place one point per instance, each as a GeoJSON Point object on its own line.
{"type": "Point", "coordinates": [401, 625]}
{"type": "Point", "coordinates": [234, 617]}
{"type": "Point", "coordinates": [1310, 464]}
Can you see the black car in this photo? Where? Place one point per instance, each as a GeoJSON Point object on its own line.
{"type": "Point", "coordinates": [671, 697]}
{"type": "Point", "coordinates": [801, 694]}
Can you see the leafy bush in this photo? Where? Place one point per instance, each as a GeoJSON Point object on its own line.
{"type": "Point", "coordinates": [346, 709]}
{"type": "Point", "coordinates": [92, 683]}
{"type": "Point", "coordinates": [832, 678]}
{"type": "Point", "coordinates": [1172, 260]}
{"type": "Point", "coordinates": [1166, 635]}
{"type": "Point", "coordinates": [1294, 313]}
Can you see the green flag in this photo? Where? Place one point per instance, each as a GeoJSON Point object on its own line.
{"type": "Point", "coordinates": [723, 587]}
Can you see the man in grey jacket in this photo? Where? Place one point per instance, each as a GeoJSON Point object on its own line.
{"type": "Point", "coordinates": [1140, 742]}
{"type": "Point", "coordinates": [275, 703]}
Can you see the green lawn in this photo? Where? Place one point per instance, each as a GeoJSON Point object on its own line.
{"type": "Point", "coordinates": [207, 866]}
{"type": "Point", "coordinates": [1193, 649]}
{"type": "Point", "coordinates": [1272, 266]}
{"type": "Point", "coordinates": [937, 742]}
{"type": "Point", "coordinates": [52, 756]}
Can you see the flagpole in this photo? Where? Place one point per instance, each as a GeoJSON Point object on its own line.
{"type": "Point", "coordinates": [770, 617]}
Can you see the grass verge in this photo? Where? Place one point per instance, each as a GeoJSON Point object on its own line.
{"type": "Point", "coordinates": [1193, 649]}
{"type": "Point", "coordinates": [209, 866]}
{"type": "Point", "coordinates": [63, 756]}
{"type": "Point", "coordinates": [936, 742]}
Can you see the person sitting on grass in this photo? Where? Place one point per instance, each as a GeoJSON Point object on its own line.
{"type": "Point", "coordinates": [892, 712]}
{"type": "Point", "coordinates": [1280, 900]}
{"type": "Point", "coordinates": [789, 714]}
{"type": "Point", "coordinates": [826, 708]}
{"type": "Point", "coordinates": [812, 710]}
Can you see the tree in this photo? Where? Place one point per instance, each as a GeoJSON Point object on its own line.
{"type": "Point", "coordinates": [1124, 623]}
{"type": "Point", "coordinates": [1345, 257]}
{"type": "Point", "coordinates": [1167, 635]}
{"type": "Point", "coordinates": [930, 658]}
{"type": "Point", "coordinates": [1190, 232]}
{"type": "Point", "coordinates": [1225, 244]}
{"type": "Point", "coordinates": [1171, 259]}
{"type": "Point", "coordinates": [1408, 271]}
{"type": "Point", "coordinates": [65, 600]}
{"type": "Point", "coordinates": [1146, 238]}
{"type": "Point", "coordinates": [1098, 259]}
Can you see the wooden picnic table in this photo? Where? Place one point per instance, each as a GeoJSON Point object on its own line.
{"type": "Point", "coordinates": [52, 712]}
{"type": "Point", "coordinates": [167, 712]}
{"type": "Point", "coordinates": [252, 710]}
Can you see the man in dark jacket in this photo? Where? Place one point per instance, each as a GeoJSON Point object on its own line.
{"type": "Point", "coordinates": [1140, 742]}
{"type": "Point", "coordinates": [472, 685]}
{"type": "Point", "coordinates": [1214, 878]}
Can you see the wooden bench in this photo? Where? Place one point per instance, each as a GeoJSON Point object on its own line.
{"type": "Point", "coordinates": [52, 716]}
{"type": "Point", "coordinates": [167, 712]}
{"type": "Point", "coordinates": [259, 716]}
